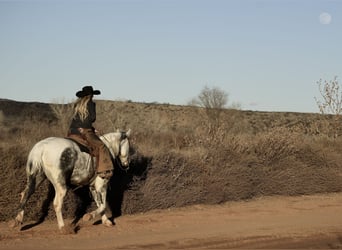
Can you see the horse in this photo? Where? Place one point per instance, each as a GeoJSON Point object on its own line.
{"type": "Point", "coordinates": [62, 162]}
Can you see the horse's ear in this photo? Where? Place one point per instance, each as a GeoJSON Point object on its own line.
{"type": "Point", "coordinates": [128, 133]}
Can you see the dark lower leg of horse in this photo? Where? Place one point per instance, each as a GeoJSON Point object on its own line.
{"type": "Point", "coordinates": [33, 182]}
{"type": "Point", "coordinates": [25, 195]}
{"type": "Point", "coordinates": [46, 204]}
{"type": "Point", "coordinates": [28, 191]}
{"type": "Point", "coordinates": [84, 200]}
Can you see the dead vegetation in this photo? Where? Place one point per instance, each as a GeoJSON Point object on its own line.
{"type": "Point", "coordinates": [177, 159]}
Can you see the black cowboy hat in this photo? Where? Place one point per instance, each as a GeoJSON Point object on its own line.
{"type": "Point", "coordinates": [87, 90]}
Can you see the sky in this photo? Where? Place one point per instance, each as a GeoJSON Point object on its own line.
{"type": "Point", "coordinates": [267, 55]}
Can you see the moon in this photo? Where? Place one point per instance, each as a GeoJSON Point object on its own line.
{"type": "Point", "coordinates": [325, 18]}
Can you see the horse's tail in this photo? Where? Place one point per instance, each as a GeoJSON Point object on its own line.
{"type": "Point", "coordinates": [34, 164]}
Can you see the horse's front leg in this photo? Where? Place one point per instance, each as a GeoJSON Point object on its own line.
{"type": "Point", "coordinates": [99, 193]}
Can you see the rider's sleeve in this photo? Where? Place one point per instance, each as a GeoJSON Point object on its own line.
{"type": "Point", "coordinates": [92, 111]}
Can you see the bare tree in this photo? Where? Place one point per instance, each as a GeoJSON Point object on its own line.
{"type": "Point", "coordinates": [63, 112]}
{"type": "Point", "coordinates": [213, 100]}
{"type": "Point", "coordinates": [331, 102]}
{"type": "Point", "coordinates": [332, 97]}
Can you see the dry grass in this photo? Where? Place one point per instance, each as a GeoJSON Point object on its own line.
{"type": "Point", "coordinates": [178, 159]}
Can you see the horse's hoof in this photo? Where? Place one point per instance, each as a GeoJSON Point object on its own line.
{"type": "Point", "coordinates": [87, 217]}
{"type": "Point", "coordinates": [13, 223]}
{"type": "Point", "coordinates": [69, 229]}
{"type": "Point", "coordinates": [108, 223]}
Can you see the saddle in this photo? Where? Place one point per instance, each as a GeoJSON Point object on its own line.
{"type": "Point", "coordinates": [82, 143]}
{"type": "Point", "coordinates": [85, 147]}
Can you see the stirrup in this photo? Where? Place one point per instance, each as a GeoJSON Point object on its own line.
{"type": "Point", "coordinates": [105, 174]}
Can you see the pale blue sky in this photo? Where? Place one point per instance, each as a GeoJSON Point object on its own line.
{"type": "Point", "coordinates": [267, 54]}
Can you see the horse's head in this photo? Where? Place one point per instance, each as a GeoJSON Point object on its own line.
{"type": "Point", "coordinates": [118, 144]}
{"type": "Point", "coordinates": [124, 149]}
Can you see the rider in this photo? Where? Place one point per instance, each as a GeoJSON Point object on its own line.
{"type": "Point", "coordinates": [82, 125]}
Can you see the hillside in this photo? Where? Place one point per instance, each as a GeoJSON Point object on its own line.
{"type": "Point", "coordinates": [181, 155]}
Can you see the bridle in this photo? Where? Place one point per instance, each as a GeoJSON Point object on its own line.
{"type": "Point", "coordinates": [117, 160]}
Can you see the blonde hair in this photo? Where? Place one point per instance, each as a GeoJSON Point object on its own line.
{"type": "Point", "coordinates": [81, 107]}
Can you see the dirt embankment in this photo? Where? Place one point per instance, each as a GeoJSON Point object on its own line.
{"type": "Point", "coordinates": [276, 222]}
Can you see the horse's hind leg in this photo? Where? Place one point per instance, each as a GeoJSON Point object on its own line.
{"type": "Point", "coordinates": [25, 195]}
{"type": "Point", "coordinates": [33, 181]}
{"type": "Point", "coordinates": [61, 191]}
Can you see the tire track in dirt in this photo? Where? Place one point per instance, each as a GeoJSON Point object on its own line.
{"type": "Point", "coordinates": [269, 222]}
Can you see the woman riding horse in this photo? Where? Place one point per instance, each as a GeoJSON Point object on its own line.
{"type": "Point", "coordinates": [82, 125]}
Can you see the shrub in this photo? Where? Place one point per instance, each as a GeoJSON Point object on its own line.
{"type": "Point", "coordinates": [177, 162]}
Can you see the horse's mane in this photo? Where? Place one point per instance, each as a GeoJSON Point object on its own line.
{"type": "Point", "coordinates": [112, 141]}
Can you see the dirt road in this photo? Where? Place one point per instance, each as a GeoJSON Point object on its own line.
{"type": "Point", "coordinates": [276, 222]}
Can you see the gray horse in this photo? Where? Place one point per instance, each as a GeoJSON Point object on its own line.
{"type": "Point", "coordinates": [61, 161]}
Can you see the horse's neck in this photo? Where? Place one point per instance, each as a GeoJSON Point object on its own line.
{"type": "Point", "coordinates": [112, 143]}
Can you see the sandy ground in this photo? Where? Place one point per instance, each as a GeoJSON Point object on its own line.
{"type": "Point", "coordinates": [275, 223]}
